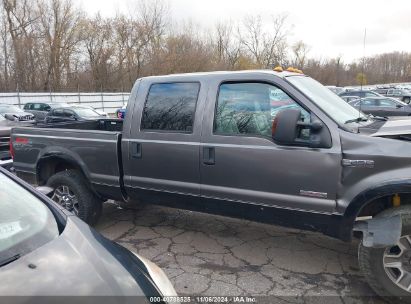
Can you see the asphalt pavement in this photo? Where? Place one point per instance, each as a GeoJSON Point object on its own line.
{"type": "Point", "coordinates": [212, 255]}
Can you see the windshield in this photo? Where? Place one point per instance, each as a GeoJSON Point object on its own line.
{"type": "Point", "coordinates": [333, 105]}
{"type": "Point", "coordinates": [25, 221]}
{"type": "Point", "coordinates": [9, 109]}
{"type": "Point", "coordinates": [86, 112]}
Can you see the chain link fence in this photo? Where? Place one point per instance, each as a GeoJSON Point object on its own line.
{"type": "Point", "coordinates": [107, 102]}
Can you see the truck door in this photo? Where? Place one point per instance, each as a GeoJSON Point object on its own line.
{"type": "Point", "coordinates": [241, 163]}
{"type": "Point", "coordinates": [161, 146]}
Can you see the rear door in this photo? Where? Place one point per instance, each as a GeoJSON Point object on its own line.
{"type": "Point", "coordinates": [241, 163]}
{"type": "Point", "coordinates": [161, 149]}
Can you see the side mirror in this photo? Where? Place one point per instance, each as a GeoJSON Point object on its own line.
{"type": "Point", "coordinates": [398, 106]}
{"type": "Point", "coordinates": [287, 128]}
{"type": "Point", "coordinates": [10, 117]}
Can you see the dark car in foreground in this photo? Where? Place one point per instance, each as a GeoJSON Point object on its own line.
{"type": "Point", "coordinates": [382, 106]}
{"type": "Point", "coordinates": [47, 251]}
{"type": "Point", "coordinates": [14, 113]}
{"type": "Point", "coordinates": [275, 147]}
{"type": "Point", "coordinates": [72, 113]}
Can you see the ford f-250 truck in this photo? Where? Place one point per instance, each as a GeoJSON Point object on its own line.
{"type": "Point", "coordinates": [275, 147]}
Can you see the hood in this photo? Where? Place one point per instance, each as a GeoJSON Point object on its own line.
{"type": "Point", "coordinates": [75, 263]}
{"type": "Point", "coordinates": [21, 116]}
{"type": "Point", "coordinates": [395, 127]}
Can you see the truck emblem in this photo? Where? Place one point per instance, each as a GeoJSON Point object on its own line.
{"type": "Point", "coordinates": [313, 194]}
{"type": "Point", "coordinates": [358, 163]}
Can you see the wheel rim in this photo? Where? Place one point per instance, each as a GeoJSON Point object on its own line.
{"type": "Point", "coordinates": [397, 263]}
{"type": "Point", "coordinates": [66, 198]}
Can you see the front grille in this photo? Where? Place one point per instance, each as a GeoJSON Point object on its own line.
{"type": "Point", "coordinates": [26, 118]}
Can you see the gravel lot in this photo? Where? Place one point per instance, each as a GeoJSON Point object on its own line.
{"type": "Point", "coordinates": [213, 255]}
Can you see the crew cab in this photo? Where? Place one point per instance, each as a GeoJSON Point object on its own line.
{"type": "Point", "coordinates": [275, 147]}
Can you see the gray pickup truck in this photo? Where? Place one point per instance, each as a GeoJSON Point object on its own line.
{"type": "Point", "coordinates": [275, 147]}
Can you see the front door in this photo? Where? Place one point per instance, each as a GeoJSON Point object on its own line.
{"type": "Point", "coordinates": [240, 162]}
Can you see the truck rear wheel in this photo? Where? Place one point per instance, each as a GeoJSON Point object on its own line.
{"type": "Point", "coordinates": [388, 270]}
{"type": "Point", "coordinates": [72, 193]}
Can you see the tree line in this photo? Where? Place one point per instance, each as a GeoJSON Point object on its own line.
{"type": "Point", "coordinates": [52, 45]}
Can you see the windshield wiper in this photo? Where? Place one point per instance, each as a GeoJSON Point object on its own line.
{"type": "Point", "coordinates": [9, 260]}
{"type": "Point", "coordinates": [357, 120]}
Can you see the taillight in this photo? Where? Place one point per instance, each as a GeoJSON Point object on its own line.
{"type": "Point", "coordinates": [11, 149]}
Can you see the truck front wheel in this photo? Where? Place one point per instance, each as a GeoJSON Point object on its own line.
{"type": "Point", "coordinates": [72, 193]}
{"type": "Point", "coordinates": [388, 270]}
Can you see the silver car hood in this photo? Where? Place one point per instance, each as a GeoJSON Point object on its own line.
{"type": "Point", "coordinates": [75, 263]}
{"type": "Point", "coordinates": [395, 126]}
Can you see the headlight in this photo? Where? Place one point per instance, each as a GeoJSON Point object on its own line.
{"type": "Point", "coordinates": [159, 278]}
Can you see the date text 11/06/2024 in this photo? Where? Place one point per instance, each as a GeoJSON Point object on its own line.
{"type": "Point", "coordinates": [203, 299]}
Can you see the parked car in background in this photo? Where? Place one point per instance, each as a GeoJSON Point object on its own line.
{"type": "Point", "coordinates": [72, 113]}
{"type": "Point", "coordinates": [14, 113]}
{"type": "Point", "coordinates": [41, 109]}
{"type": "Point", "coordinates": [349, 98]}
{"type": "Point", "coordinates": [359, 93]}
{"type": "Point", "coordinates": [47, 251]}
{"type": "Point", "coordinates": [382, 106]}
{"type": "Point", "coordinates": [121, 113]}
{"type": "Point", "coordinates": [5, 129]}
{"type": "Point", "coordinates": [335, 89]}
{"type": "Point", "coordinates": [102, 113]}
{"type": "Point", "coordinates": [381, 91]}
{"type": "Point", "coordinates": [401, 94]}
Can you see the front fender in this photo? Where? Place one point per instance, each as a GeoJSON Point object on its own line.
{"type": "Point", "coordinates": [371, 194]}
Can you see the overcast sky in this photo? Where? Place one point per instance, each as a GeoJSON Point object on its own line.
{"type": "Point", "coordinates": [330, 28]}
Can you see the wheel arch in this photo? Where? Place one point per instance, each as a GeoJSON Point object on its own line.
{"type": "Point", "coordinates": [373, 201]}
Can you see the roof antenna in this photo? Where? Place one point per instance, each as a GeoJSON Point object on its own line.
{"type": "Point", "coordinates": [362, 73]}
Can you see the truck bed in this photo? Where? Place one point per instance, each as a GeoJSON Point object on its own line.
{"type": "Point", "coordinates": [94, 151]}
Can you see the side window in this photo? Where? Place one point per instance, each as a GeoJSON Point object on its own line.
{"type": "Point", "coordinates": [387, 103]}
{"type": "Point", "coordinates": [250, 108]}
{"type": "Point", "coordinates": [58, 112]}
{"type": "Point", "coordinates": [368, 102]}
{"type": "Point", "coordinates": [68, 113]}
{"type": "Point", "coordinates": [171, 107]}
{"type": "Point", "coordinates": [36, 106]}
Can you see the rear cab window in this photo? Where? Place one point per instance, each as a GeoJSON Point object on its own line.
{"type": "Point", "coordinates": [170, 107]}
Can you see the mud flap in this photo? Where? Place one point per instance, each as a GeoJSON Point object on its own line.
{"type": "Point", "coordinates": [380, 232]}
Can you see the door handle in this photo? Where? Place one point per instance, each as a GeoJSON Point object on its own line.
{"type": "Point", "coordinates": [209, 155]}
{"type": "Point", "coordinates": [136, 150]}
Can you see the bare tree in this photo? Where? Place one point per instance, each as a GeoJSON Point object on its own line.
{"type": "Point", "coordinates": [300, 52]}
{"type": "Point", "coordinates": [61, 25]}
{"type": "Point", "coordinates": [268, 47]}
{"type": "Point", "coordinates": [99, 47]}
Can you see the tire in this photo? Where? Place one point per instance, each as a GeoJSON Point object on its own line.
{"type": "Point", "coordinates": [89, 207]}
{"type": "Point", "coordinates": [371, 262]}
{"type": "Point", "coordinates": [406, 100]}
